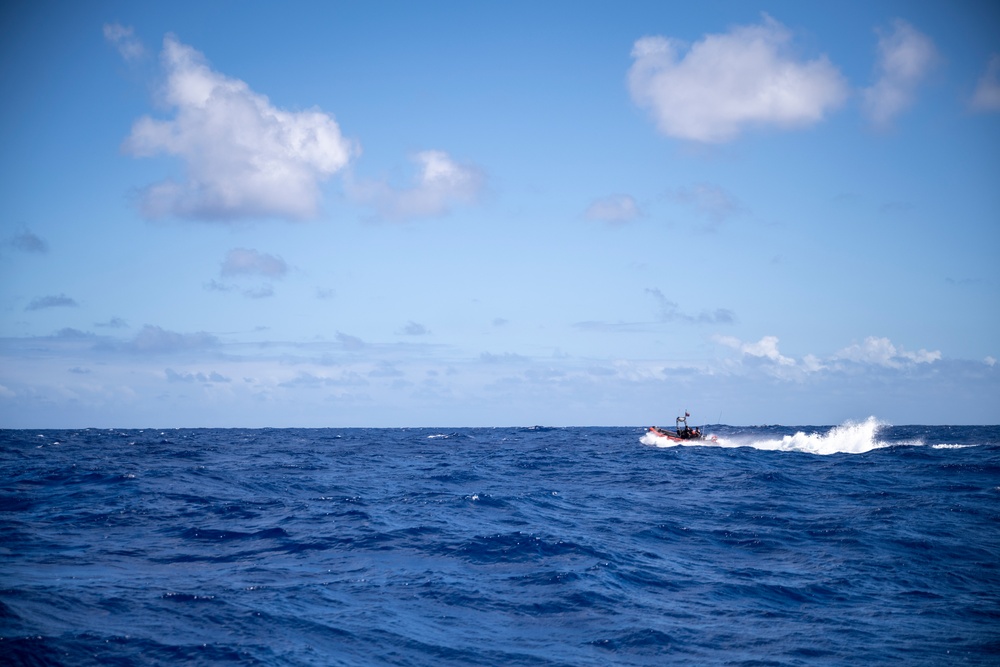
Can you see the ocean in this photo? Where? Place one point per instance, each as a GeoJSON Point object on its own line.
{"type": "Point", "coordinates": [861, 544]}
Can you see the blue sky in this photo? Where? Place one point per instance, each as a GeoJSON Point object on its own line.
{"type": "Point", "coordinates": [490, 214]}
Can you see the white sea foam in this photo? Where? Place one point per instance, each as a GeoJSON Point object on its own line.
{"type": "Point", "coordinates": [848, 438]}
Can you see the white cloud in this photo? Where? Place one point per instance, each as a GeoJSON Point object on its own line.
{"type": "Point", "coordinates": [881, 352]}
{"type": "Point", "coordinates": [243, 261]}
{"type": "Point", "coordinates": [873, 351]}
{"type": "Point", "coordinates": [987, 95]}
{"type": "Point", "coordinates": [990, 361]}
{"type": "Point", "coordinates": [244, 158]}
{"type": "Point", "coordinates": [726, 83]}
{"type": "Point", "coordinates": [905, 55]}
{"type": "Point", "coordinates": [440, 184]}
{"type": "Point", "coordinates": [123, 39]}
{"type": "Point", "coordinates": [765, 348]}
{"type": "Point", "coordinates": [615, 209]}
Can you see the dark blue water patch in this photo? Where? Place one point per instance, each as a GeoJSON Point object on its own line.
{"type": "Point", "coordinates": [522, 546]}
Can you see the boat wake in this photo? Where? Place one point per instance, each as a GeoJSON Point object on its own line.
{"type": "Point", "coordinates": [848, 438]}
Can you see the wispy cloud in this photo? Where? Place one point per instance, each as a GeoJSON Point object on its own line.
{"type": "Point", "coordinates": [204, 378]}
{"type": "Point", "coordinates": [440, 184]}
{"type": "Point", "coordinates": [27, 241]}
{"type": "Point", "coordinates": [113, 323]}
{"type": "Point", "coordinates": [710, 200]}
{"type": "Point", "coordinates": [244, 157]}
{"type": "Point", "coordinates": [729, 82]}
{"type": "Point", "coordinates": [52, 301]}
{"type": "Point", "coordinates": [905, 55]}
{"type": "Point", "coordinates": [243, 261]}
{"type": "Point", "coordinates": [987, 95]}
{"type": "Point", "coordinates": [261, 292]}
{"type": "Point", "coordinates": [669, 311]}
{"type": "Point", "coordinates": [414, 329]}
{"type": "Point", "coordinates": [615, 209]}
{"type": "Point", "coordinates": [123, 38]}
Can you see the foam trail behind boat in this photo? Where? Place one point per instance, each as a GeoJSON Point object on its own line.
{"type": "Point", "coordinates": [848, 438]}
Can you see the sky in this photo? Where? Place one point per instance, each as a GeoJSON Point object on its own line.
{"type": "Point", "coordinates": [450, 214]}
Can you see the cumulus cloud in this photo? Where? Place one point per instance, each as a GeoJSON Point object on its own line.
{"type": "Point", "coordinates": [728, 82]}
{"type": "Point", "coordinates": [905, 55]}
{"type": "Point", "coordinates": [124, 39]}
{"type": "Point", "coordinates": [873, 351]}
{"type": "Point", "coordinates": [52, 301]}
{"type": "Point", "coordinates": [441, 183]}
{"type": "Point", "coordinates": [614, 209]}
{"type": "Point", "coordinates": [243, 261]}
{"type": "Point", "coordinates": [987, 95]}
{"type": "Point", "coordinates": [765, 348]}
{"type": "Point", "coordinates": [243, 157]}
{"type": "Point", "coordinates": [27, 241]}
{"type": "Point", "coordinates": [881, 352]}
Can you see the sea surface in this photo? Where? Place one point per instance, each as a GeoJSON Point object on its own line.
{"type": "Point", "coordinates": [861, 544]}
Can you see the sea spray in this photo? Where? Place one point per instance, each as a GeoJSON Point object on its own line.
{"type": "Point", "coordinates": [848, 438]}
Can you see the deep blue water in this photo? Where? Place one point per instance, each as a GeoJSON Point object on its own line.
{"type": "Point", "coordinates": [500, 546]}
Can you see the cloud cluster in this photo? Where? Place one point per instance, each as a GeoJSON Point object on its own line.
{"type": "Point", "coordinates": [881, 352]}
{"type": "Point", "coordinates": [905, 55]}
{"type": "Point", "coordinates": [440, 184]}
{"type": "Point", "coordinates": [243, 156]}
{"type": "Point", "coordinates": [874, 351]}
{"type": "Point", "coordinates": [726, 83]}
